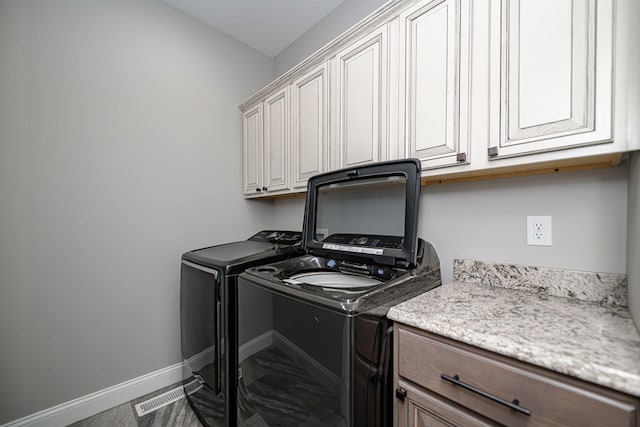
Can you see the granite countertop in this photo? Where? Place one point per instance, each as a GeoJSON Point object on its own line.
{"type": "Point", "coordinates": [591, 340]}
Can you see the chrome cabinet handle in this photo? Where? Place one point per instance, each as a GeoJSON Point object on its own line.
{"type": "Point", "coordinates": [514, 404]}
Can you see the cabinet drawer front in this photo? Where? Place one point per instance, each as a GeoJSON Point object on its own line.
{"type": "Point", "coordinates": [551, 402]}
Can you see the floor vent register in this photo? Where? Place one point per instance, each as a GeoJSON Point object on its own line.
{"type": "Point", "coordinates": [164, 399]}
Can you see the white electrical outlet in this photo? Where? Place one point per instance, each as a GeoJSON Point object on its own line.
{"type": "Point", "coordinates": [539, 231]}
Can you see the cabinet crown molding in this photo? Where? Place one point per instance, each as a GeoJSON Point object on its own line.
{"type": "Point", "coordinates": [384, 13]}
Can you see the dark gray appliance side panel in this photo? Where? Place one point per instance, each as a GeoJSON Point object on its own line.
{"type": "Point", "coordinates": [258, 304]}
{"type": "Point", "coordinates": [316, 331]}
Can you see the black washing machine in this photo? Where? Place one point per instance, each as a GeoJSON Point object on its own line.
{"type": "Point", "coordinates": [208, 278]}
{"type": "Point", "coordinates": [314, 342]}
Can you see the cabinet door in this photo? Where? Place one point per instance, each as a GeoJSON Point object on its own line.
{"type": "Point", "coordinates": [252, 146]}
{"type": "Point", "coordinates": [361, 101]}
{"type": "Point", "coordinates": [435, 70]}
{"type": "Point", "coordinates": [310, 125]}
{"type": "Point", "coordinates": [276, 141]}
{"type": "Point", "coordinates": [551, 79]}
{"type": "Point", "coordinates": [421, 408]}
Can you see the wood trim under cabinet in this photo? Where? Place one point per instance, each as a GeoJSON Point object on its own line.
{"type": "Point", "coordinates": [568, 165]}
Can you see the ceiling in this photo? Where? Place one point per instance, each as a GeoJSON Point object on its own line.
{"type": "Point", "coordinates": [268, 26]}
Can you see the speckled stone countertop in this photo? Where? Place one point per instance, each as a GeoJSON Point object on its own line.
{"type": "Point", "coordinates": [593, 341]}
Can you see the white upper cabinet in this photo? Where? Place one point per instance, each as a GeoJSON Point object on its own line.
{"type": "Point", "coordinates": [310, 124]}
{"type": "Point", "coordinates": [252, 149]}
{"type": "Point", "coordinates": [266, 130]}
{"type": "Point", "coordinates": [360, 101]}
{"type": "Point", "coordinates": [434, 37]}
{"type": "Point", "coordinates": [276, 141]}
{"type": "Point", "coordinates": [551, 75]}
{"type": "Point", "coordinates": [473, 89]}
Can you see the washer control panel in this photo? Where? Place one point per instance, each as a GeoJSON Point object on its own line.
{"type": "Point", "coordinates": [371, 241]}
{"type": "Point", "coordinates": [277, 236]}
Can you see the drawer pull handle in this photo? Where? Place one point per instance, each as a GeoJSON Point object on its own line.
{"type": "Point", "coordinates": [513, 405]}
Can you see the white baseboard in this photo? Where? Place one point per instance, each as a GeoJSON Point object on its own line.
{"type": "Point", "coordinates": [94, 403]}
{"type": "Point", "coordinates": [200, 360]}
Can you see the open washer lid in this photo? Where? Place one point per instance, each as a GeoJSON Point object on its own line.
{"type": "Point", "coordinates": [366, 214]}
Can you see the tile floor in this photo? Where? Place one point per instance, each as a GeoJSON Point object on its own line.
{"type": "Point", "coordinates": [289, 398]}
{"type": "Point", "coordinates": [177, 414]}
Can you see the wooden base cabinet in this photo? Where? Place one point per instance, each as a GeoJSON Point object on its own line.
{"type": "Point", "coordinates": [441, 382]}
{"type": "Point", "coordinates": [421, 408]}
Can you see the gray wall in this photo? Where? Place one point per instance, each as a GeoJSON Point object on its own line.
{"type": "Point", "coordinates": [633, 233]}
{"type": "Point", "coordinates": [486, 220]}
{"type": "Point", "coordinates": [343, 17]}
{"type": "Point", "coordinates": [632, 89]}
{"type": "Point", "coordinates": [120, 149]}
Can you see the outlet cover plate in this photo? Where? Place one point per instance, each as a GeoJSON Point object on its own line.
{"type": "Point", "coordinates": [539, 231]}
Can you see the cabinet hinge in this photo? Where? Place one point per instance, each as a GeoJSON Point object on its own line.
{"type": "Point", "coordinates": [461, 157]}
{"type": "Point", "coordinates": [401, 393]}
{"type": "Point", "coordinates": [492, 151]}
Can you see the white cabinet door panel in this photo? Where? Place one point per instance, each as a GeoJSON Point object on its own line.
{"type": "Point", "coordinates": [534, 76]}
{"type": "Point", "coordinates": [551, 74]}
{"type": "Point", "coordinates": [362, 79]}
{"type": "Point", "coordinates": [276, 141]}
{"type": "Point", "coordinates": [436, 73]}
{"type": "Point", "coordinates": [361, 108]}
{"type": "Point", "coordinates": [252, 146]}
{"type": "Point", "coordinates": [310, 125]}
